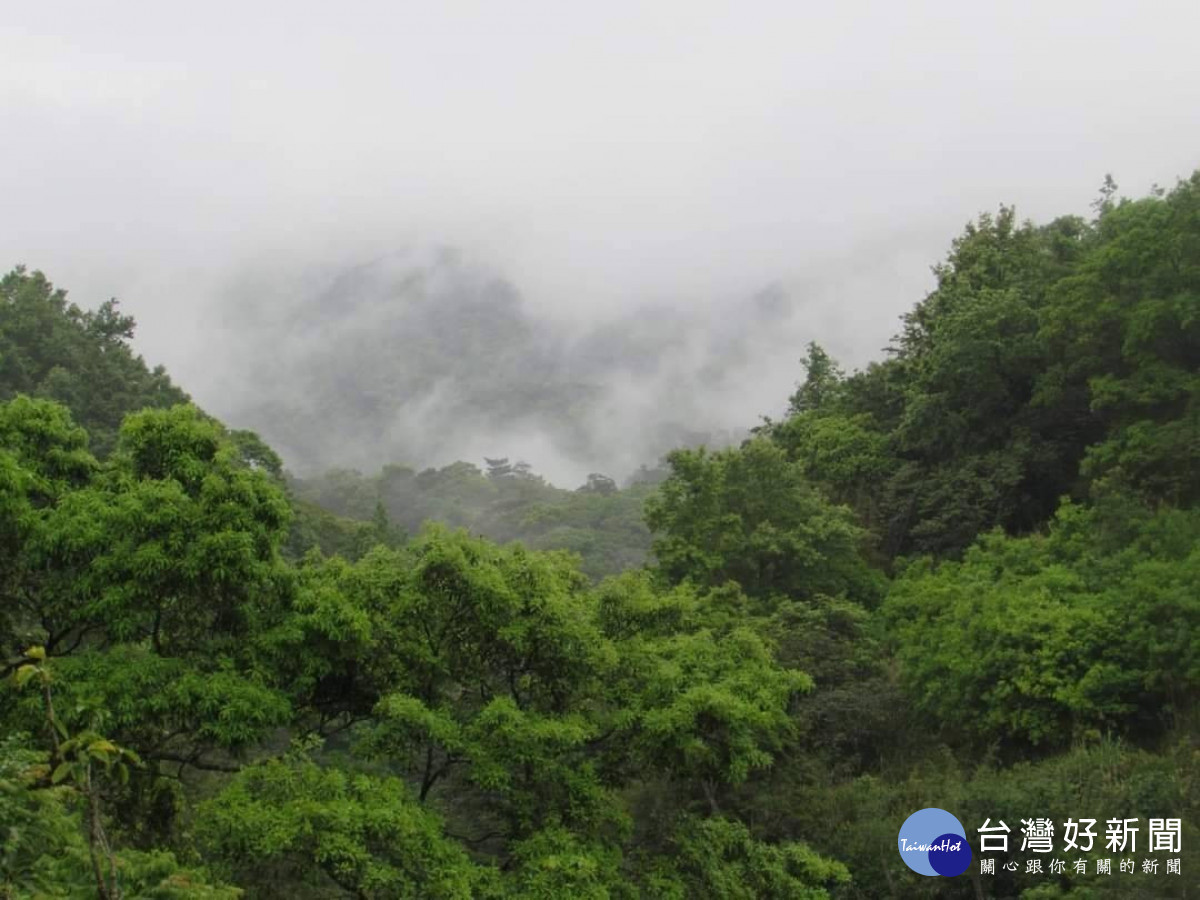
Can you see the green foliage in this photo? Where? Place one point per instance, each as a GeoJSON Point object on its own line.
{"type": "Point", "coordinates": [314, 528]}
{"type": "Point", "coordinates": [42, 438]}
{"type": "Point", "coordinates": [43, 457]}
{"type": "Point", "coordinates": [170, 708]}
{"type": "Point", "coordinates": [743, 717]}
{"type": "Point", "coordinates": [1061, 636]}
{"type": "Point", "coordinates": [497, 678]}
{"type": "Point", "coordinates": [293, 821]}
{"type": "Point", "coordinates": [40, 836]}
{"type": "Point", "coordinates": [519, 702]}
{"type": "Point", "coordinates": [556, 863]}
{"type": "Point", "coordinates": [173, 541]}
{"type": "Point", "coordinates": [146, 581]}
{"type": "Point", "coordinates": [157, 875]}
{"type": "Point", "coordinates": [707, 709]}
{"type": "Point", "coordinates": [180, 540]}
{"type": "Point", "coordinates": [42, 849]}
{"type": "Point", "coordinates": [848, 722]}
{"type": "Point", "coordinates": [600, 523]}
{"type": "Point", "coordinates": [51, 348]}
{"type": "Point", "coordinates": [1125, 333]}
{"type": "Point", "coordinates": [750, 516]}
{"type": "Point", "coordinates": [858, 818]}
{"type": "Point", "coordinates": [1050, 360]}
{"type": "Point", "coordinates": [719, 858]}
{"type": "Point", "coordinates": [822, 380]}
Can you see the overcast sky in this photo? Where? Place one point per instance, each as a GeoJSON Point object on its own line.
{"type": "Point", "coordinates": [600, 154]}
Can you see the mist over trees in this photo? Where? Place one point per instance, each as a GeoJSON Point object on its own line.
{"type": "Point", "coordinates": [424, 358]}
{"type": "Point", "coordinates": [964, 576]}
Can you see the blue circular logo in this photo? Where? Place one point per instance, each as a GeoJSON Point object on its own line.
{"type": "Point", "coordinates": [933, 842]}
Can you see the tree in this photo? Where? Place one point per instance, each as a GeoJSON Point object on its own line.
{"type": "Point", "coordinates": [749, 515]}
{"type": "Point", "coordinates": [498, 468]}
{"type": "Point", "coordinates": [720, 858]}
{"type": "Point", "coordinates": [1125, 338]}
{"type": "Point", "coordinates": [291, 820]}
{"type": "Point", "coordinates": [599, 484]}
{"type": "Point", "coordinates": [78, 759]}
{"type": "Point", "coordinates": [518, 704]}
{"type": "Point", "coordinates": [147, 580]}
{"type": "Point", "coordinates": [822, 377]}
{"type": "Point", "coordinates": [1086, 630]}
{"type": "Point", "coordinates": [51, 348]}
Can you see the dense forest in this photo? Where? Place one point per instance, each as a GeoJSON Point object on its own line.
{"type": "Point", "coordinates": [965, 576]}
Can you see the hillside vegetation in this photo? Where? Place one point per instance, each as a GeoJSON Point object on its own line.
{"type": "Point", "coordinates": [964, 577]}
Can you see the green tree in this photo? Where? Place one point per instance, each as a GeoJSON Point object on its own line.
{"type": "Point", "coordinates": [1048, 638]}
{"type": "Point", "coordinates": [147, 580]}
{"type": "Point", "coordinates": [821, 381]}
{"type": "Point", "coordinates": [749, 515]}
{"type": "Point", "coordinates": [1124, 334]}
{"type": "Point", "coordinates": [51, 348]}
{"type": "Point", "coordinates": [291, 821]}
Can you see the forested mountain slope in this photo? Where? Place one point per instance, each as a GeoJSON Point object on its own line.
{"type": "Point", "coordinates": [965, 577]}
{"type": "Point", "coordinates": [597, 520]}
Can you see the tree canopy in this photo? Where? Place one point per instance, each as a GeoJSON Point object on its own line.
{"type": "Point", "coordinates": [963, 577]}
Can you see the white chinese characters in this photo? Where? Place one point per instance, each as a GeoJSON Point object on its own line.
{"type": "Point", "coordinates": [1121, 835]}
